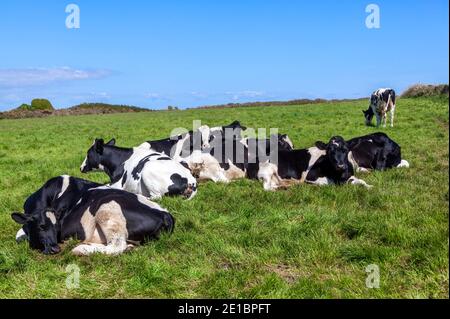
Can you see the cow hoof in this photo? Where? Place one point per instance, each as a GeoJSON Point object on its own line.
{"type": "Point", "coordinates": [403, 163]}
{"type": "Point", "coordinates": [21, 236]}
{"type": "Point", "coordinates": [86, 249]}
{"type": "Point", "coordinates": [190, 191]}
{"type": "Point", "coordinates": [81, 250]}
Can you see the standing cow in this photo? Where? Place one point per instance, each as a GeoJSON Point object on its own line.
{"type": "Point", "coordinates": [381, 102]}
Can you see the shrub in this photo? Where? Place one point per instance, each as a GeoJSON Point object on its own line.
{"type": "Point", "coordinates": [24, 106]}
{"type": "Point", "coordinates": [41, 104]}
{"type": "Point", "coordinates": [419, 90]}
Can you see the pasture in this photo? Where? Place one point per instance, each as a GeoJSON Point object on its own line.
{"type": "Point", "coordinates": [237, 240]}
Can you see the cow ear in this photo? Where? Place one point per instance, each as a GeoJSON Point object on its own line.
{"type": "Point", "coordinates": [111, 142]}
{"type": "Point", "coordinates": [321, 145]}
{"type": "Point", "coordinates": [99, 143]}
{"type": "Point", "coordinates": [19, 218]}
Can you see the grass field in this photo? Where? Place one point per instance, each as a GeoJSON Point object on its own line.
{"type": "Point", "coordinates": [237, 240]}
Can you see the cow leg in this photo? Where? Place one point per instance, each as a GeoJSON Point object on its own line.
{"type": "Point", "coordinates": [362, 170]}
{"type": "Point", "coordinates": [267, 173]}
{"type": "Point", "coordinates": [378, 120]}
{"type": "Point", "coordinates": [356, 181]}
{"type": "Point", "coordinates": [92, 248]}
{"type": "Point", "coordinates": [321, 181]}
{"type": "Point", "coordinates": [213, 172]}
{"type": "Point", "coordinates": [392, 115]}
{"type": "Point", "coordinates": [21, 236]}
{"type": "Point", "coordinates": [110, 220]}
{"type": "Point", "coordinates": [403, 163]}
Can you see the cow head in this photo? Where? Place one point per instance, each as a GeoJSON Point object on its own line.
{"type": "Point", "coordinates": [368, 114]}
{"type": "Point", "coordinates": [336, 152]}
{"type": "Point", "coordinates": [94, 156]}
{"type": "Point", "coordinates": [235, 125]}
{"type": "Point", "coordinates": [236, 128]}
{"type": "Point", "coordinates": [42, 230]}
{"type": "Point", "coordinates": [284, 142]}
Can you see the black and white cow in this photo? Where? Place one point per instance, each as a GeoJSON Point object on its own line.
{"type": "Point", "coordinates": [381, 102]}
{"type": "Point", "coordinates": [183, 145]}
{"type": "Point", "coordinates": [375, 152]}
{"type": "Point", "coordinates": [59, 193]}
{"type": "Point", "coordinates": [322, 164]}
{"type": "Point", "coordinates": [232, 130]}
{"type": "Point", "coordinates": [231, 158]}
{"type": "Point", "coordinates": [140, 170]}
{"type": "Point", "coordinates": [201, 151]}
{"type": "Point", "coordinates": [220, 153]}
{"type": "Point", "coordinates": [107, 220]}
{"type": "Point", "coordinates": [283, 142]}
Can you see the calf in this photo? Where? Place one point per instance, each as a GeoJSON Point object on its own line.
{"type": "Point", "coordinates": [140, 170]}
{"type": "Point", "coordinates": [375, 151]}
{"type": "Point", "coordinates": [322, 164]}
{"type": "Point", "coordinates": [107, 220]}
{"type": "Point", "coordinates": [381, 102]}
{"type": "Point", "coordinates": [59, 193]}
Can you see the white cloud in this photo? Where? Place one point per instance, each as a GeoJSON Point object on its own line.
{"type": "Point", "coordinates": [199, 95]}
{"type": "Point", "coordinates": [152, 95]}
{"type": "Point", "coordinates": [245, 94]}
{"type": "Point", "coordinates": [39, 76]}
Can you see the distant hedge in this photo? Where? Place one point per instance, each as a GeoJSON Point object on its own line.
{"type": "Point", "coordinates": [24, 106]}
{"type": "Point", "coordinates": [41, 104]}
{"type": "Point", "coordinates": [419, 90]}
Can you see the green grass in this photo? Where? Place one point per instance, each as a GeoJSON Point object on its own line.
{"type": "Point", "coordinates": [237, 240]}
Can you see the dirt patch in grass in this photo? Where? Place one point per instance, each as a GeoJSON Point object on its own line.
{"type": "Point", "coordinates": [288, 273]}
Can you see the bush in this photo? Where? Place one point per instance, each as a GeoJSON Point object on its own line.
{"type": "Point", "coordinates": [419, 90]}
{"type": "Point", "coordinates": [41, 104]}
{"type": "Point", "coordinates": [24, 106]}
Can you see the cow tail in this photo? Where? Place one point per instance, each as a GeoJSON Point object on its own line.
{"type": "Point", "coordinates": [169, 222]}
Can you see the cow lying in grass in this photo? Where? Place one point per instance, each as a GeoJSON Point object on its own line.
{"type": "Point", "coordinates": [375, 152]}
{"type": "Point", "coordinates": [140, 170]}
{"type": "Point", "coordinates": [59, 193]}
{"type": "Point", "coordinates": [322, 164]}
{"type": "Point", "coordinates": [218, 154]}
{"type": "Point", "coordinates": [231, 158]}
{"type": "Point", "coordinates": [183, 145]}
{"type": "Point", "coordinates": [107, 220]}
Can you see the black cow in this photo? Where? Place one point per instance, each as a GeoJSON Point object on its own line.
{"type": "Point", "coordinates": [107, 220]}
{"type": "Point", "coordinates": [381, 102]}
{"type": "Point", "coordinates": [375, 152]}
{"type": "Point", "coordinates": [322, 164]}
{"type": "Point", "coordinates": [59, 193]}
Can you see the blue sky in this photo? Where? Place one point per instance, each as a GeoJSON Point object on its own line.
{"type": "Point", "coordinates": [190, 53]}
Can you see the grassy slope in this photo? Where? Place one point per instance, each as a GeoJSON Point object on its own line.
{"type": "Point", "coordinates": [237, 240]}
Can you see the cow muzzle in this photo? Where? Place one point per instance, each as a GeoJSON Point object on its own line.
{"type": "Point", "coordinates": [51, 250]}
